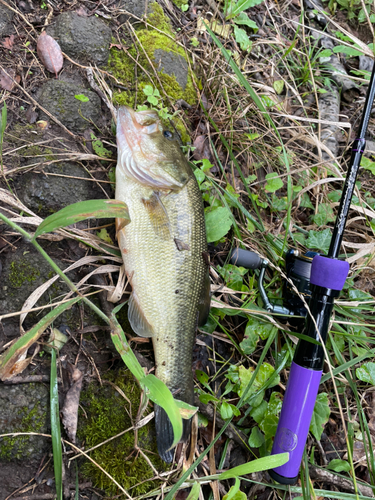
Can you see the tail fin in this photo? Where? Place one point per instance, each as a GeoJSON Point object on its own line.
{"type": "Point", "coordinates": [164, 434]}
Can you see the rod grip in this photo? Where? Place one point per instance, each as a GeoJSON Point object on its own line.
{"type": "Point", "coordinates": [294, 423]}
{"type": "Point", "coordinates": [245, 258]}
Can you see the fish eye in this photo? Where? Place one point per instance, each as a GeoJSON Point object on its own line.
{"type": "Point", "coordinates": [168, 134]}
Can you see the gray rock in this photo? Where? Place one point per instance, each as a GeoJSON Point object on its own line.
{"type": "Point", "coordinates": [84, 39]}
{"type": "Point", "coordinates": [45, 194]}
{"type": "Point", "coordinates": [23, 271]}
{"type": "Point", "coordinates": [172, 64]}
{"type": "Point", "coordinates": [136, 7]}
{"type": "Point", "coordinates": [58, 98]}
{"type": "Point", "coordinates": [6, 16]}
{"type": "Point", "coordinates": [366, 63]}
{"type": "Point", "coordinates": [24, 408]}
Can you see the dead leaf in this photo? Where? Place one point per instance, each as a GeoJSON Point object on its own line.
{"type": "Point", "coordinates": [202, 149]}
{"type": "Point", "coordinates": [8, 42]}
{"type": "Point", "coordinates": [31, 115]}
{"type": "Point", "coordinates": [8, 78]}
{"type": "Point", "coordinates": [71, 403]}
{"type": "Point", "coordinates": [50, 54]}
{"type": "Point", "coordinates": [83, 11]}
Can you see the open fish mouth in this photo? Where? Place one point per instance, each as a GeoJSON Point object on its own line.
{"type": "Point", "coordinates": [144, 153]}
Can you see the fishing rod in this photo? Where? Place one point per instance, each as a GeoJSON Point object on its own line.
{"type": "Point", "coordinates": [326, 276]}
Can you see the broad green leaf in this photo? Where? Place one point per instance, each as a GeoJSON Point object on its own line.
{"type": "Point", "coordinates": [249, 343]}
{"type": "Point", "coordinates": [256, 438]}
{"type": "Point", "coordinates": [349, 51]}
{"type": "Point", "coordinates": [232, 275]}
{"type": "Point", "coordinates": [273, 182]}
{"type": "Point", "coordinates": [194, 492]}
{"type": "Point", "coordinates": [243, 5]}
{"type": "Point", "coordinates": [148, 90]}
{"type": "Point", "coordinates": [320, 415]}
{"type": "Point", "coordinates": [244, 19]}
{"type": "Point", "coordinates": [206, 398]}
{"type": "Point", "coordinates": [366, 373]}
{"type": "Point", "coordinates": [242, 375]}
{"type": "Point", "coordinates": [258, 465]}
{"type": "Point", "coordinates": [271, 417]}
{"type": "Point", "coordinates": [279, 204]}
{"type": "Point", "coordinates": [278, 85]}
{"type": "Point", "coordinates": [159, 393]}
{"type": "Point", "coordinates": [218, 223]}
{"type": "Point", "coordinates": [12, 361]}
{"type": "Point", "coordinates": [202, 377]}
{"type": "Point", "coordinates": [242, 38]}
{"type": "Point", "coordinates": [319, 240]}
{"type": "Point", "coordinates": [98, 147]}
{"type": "Point", "coordinates": [199, 175]}
{"type": "Point", "coordinates": [82, 98]}
{"type": "Point", "coordinates": [367, 164]}
{"type": "Point", "coordinates": [226, 411]}
{"type": "Point", "coordinates": [152, 100]}
{"type": "Point", "coordinates": [335, 196]}
{"type": "Point", "coordinates": [103, 235]}
{"type": "Point", "coordinates": [339, 465]}
{"type": "Point", "coordinates": [325, 53]}
{"type": "Point", "coordinates": [325, 214]}
{"type": "Point", "coordinates": [306, 202]}
{"type": "Point", "coordinates": [90, 209]}
{"type": "Point", "coordinates": [258, 412]}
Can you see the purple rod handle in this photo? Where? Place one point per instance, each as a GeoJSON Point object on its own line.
{"type": "Point", "coordinates": [295, 418]}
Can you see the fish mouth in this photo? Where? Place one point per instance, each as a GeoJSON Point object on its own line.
{"type": "Point", "coordinates": [138, 154]}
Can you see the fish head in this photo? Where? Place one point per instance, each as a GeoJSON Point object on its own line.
{"type": "Point", "coordinates": [148, 153]}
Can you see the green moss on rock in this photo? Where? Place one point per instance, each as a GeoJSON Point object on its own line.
{"type": "Point", "coordinates": [122, 65]}
{"type": "Point", "coordinates": [107, 414]}
{"type": "Point", "coordinates": [21, 271]}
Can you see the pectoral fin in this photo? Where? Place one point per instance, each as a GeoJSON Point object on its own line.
{"type": "Point", "coordinates": [137, 318]}
{"type": "Point", "coordinates": [205, 302]}
{"type": "Point", "coordinates": [158, 216]}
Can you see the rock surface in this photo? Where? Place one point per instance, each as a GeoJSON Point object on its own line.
{"type": "Point", "coordinates": [58, 98]}
{"type": "Point", "coordinates": [26, 409]}
{"type": "Point", "coordinates": [6, 16]}
{"type": "Point", "coordinates": [172, 64]}
{"type": "Point", "coordinates": [45, 194]}
{"type": "Point", "coordinates": [136, 7]}
{"type": "Point", "coordinates": [84, 39]}
{"type": "Point", "coordinates": [22, 272]}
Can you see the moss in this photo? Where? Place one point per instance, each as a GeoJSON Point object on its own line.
{"type": "Point", "coordinates": [21, 271]}
{"type": "Point", "coordinates": [107, 415]}
{"type": "Point", "coordinates": [180, 3]}
{"type": "Point", "coordinates": [18, 447]}
{"type": "Point", "coordinates": [122, 65]}
{"type": "Point", "coordinates": [181, 129]}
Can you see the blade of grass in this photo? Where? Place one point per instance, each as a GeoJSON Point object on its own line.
{"type": "Point", "coordinates": [55, 427]}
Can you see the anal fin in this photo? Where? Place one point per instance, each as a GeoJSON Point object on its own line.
{"type": "Point", "coordinates": [137, 318]}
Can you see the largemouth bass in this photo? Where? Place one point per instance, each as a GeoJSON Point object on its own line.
{"type": "Point", "coordinates": [164, 252]}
